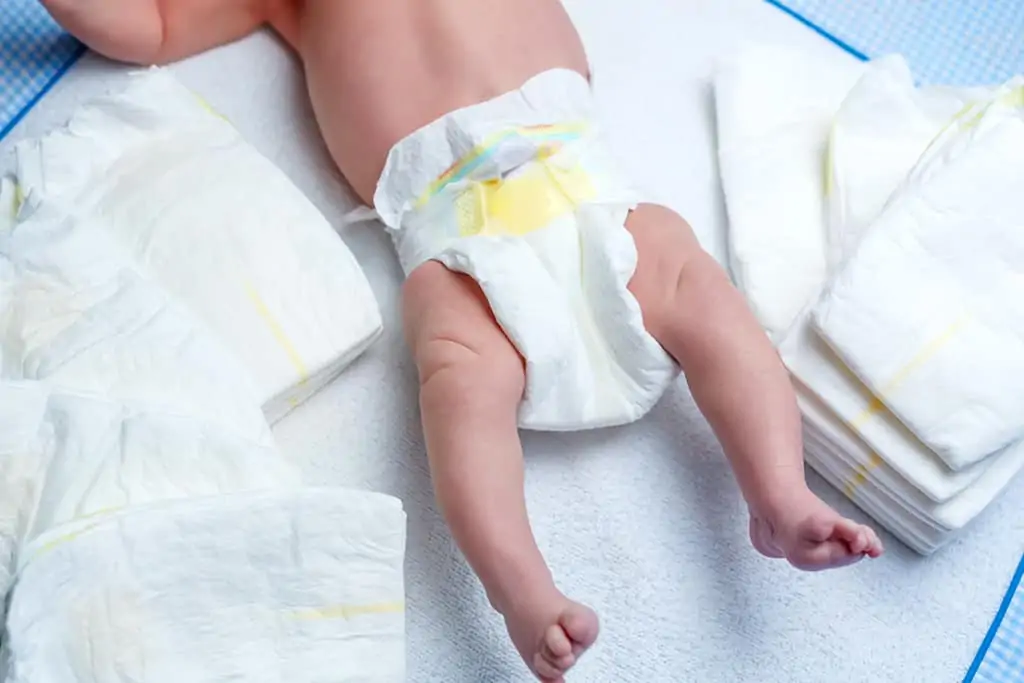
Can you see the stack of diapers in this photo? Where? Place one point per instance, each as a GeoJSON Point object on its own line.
{"type": "Point", "coordinates": [149, 527]}
{"type": "Point", "coordinates": [906, 337]}
{"type": "Point", "coordinates": [218, 226]}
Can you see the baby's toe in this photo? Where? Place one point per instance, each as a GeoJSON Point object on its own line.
{"type": "Point", "coordinates": [875, 547]}
{"type": "Point", "coordinates": [546, 671]}
{"type": "Point", "coordinates": [826, 555]}
{"type": "Point", "coordinates": [860, 542]}
{"type": "Point", "coordinates": [555, 656]}
{"type": "Point", "coordinates": [556, 642]}
{"type": "Point", "coordinates": [581, 626]}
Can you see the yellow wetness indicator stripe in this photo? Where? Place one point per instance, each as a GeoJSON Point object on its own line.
{"type": "Point", "coordinates": [208, 107]}
{"type": "Point", "coordinates": [551, 137]}
{"type": "Point", "coordinates": [828, 175]}
{"type": "Point", "coordinates": [528, 201]}
{"type": "Point", "coordinates": [278, 331]}
{"type": "Point", "coordinates": [877, 403]}
{"type": "Point", "coordinates": [60, 540]}
{"type": "Point", "coordinates": [348, 611]}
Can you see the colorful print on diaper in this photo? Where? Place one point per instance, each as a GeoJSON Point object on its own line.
{"type": "Point", "coordinates": [538, 195]}
{"type": "Point", "coordinates": [549, 138]}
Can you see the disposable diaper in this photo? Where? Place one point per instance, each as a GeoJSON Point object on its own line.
{"type": "Point", "coordinates": [927, 310]}
{"type": "Point", "coordinates": [264, 587]}
{"type": "Point", "coordinates": [836, 453]}
{"type": "Point", "coordinates": [903, 344]}
{"type": "Point", "coordinates": [522, 194]}
{"type": "Point", "coordinates": [877, 136]}
{"type": "Point", "coordinates": [149, 528]}
{"type": "Point", "coordinates": [774, 108]}
{"type": "Point", "coordinates": [815, 366]}
{"type": "Point", "coordinates": [217, 226]}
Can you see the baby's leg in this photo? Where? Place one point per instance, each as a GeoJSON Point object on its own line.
{"type": "Point", "coordinates": [742, 387]}
{"type": "Point", "coordinates": [471, 383]}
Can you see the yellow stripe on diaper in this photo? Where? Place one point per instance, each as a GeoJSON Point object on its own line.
{"type": "Point", "coordinates": [860, 474]}
{"type": "Point", "coordinates": [60, 540]}
{"type": "Point", "coordinates": [349, 611]}
{"type": "Point", "coordinates": [534, 198]}
{"type": "Point", "coordinates": [209, 107]}
{"type": "Point", "coordinates": [927, 352]}
{"type": "Point", "coordinates": [828, 175]}
{"type": "Point", "coordinates": [877, 403]}
{"type": "Point", "coordinates": [1014, 98]}
{"type": "Point", "coordinates": [278, 331]}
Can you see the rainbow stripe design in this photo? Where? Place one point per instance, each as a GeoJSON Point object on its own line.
{"type": "Point", "coordinates": [549, 138]}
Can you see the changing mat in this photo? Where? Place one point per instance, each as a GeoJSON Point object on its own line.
{"type": "Point", "coordinates": [946, 41]}
{"type": "Point", "coordinates": [1000, 658]}
{"type": "Point", "coordinates": [34, 54]}
{"type": "Point", "coordinates": [217, 225]}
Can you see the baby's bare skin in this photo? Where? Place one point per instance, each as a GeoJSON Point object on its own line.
{"type": "Point", "coordinates": [378, 70]}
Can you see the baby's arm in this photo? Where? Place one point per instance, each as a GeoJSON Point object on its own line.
{"type": "Point", "coordinates": [157, 31]}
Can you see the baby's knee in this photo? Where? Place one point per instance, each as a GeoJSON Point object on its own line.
{"type": "Point", "coordinates": [668, 255]}
{"type": "Point", "coordinates": [459, 372]}
{"type": "Point", "coordinates": [460, 350]}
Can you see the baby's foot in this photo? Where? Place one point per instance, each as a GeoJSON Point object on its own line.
{"type": "Point", "coordinates": [551, 634]}
{"type": "Point", "coordinates": [812, 536]}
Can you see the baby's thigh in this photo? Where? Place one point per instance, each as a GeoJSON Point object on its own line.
{"type": "Point", "coordinates": [449, 325]}
{"type": "Point", "coordinates": [665, 246]}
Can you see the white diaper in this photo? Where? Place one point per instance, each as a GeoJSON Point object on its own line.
{"type": "Point", "coordinates": [522, 194]}
{"type": "Point", "coordinates": [216, 225]}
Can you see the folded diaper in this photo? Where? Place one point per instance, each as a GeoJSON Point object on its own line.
{"type": "Point", "coordinates": [303, 586]}
{"type": "Point", "coordinates": [8, 203]}
{"type": "Point", "coordinates": [848, 464]}
{"type": "Point", "coordinates": [148, 524]}
{"type": "Point", "coordinates": [876, 138]}
{"type": "Point", "coordinates": [133, 400]}
{"type": "Point", "coordinates": [774, 108]}
{"type": "Point", "coordinates": [816, 367]}
{"type": "Point", "coordinates": [927, 310]}
{"type": "Point", "coordinates": [522, 194]}
{"type": "Point", "coordinates": [217, 226]}
{"type": "Point", "coordinates": [22, 445]}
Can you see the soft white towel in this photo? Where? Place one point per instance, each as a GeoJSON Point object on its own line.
{"type": "Point", "coordinates": [927, 311]}
{"type": "Point", "coordinates": [218, 226]}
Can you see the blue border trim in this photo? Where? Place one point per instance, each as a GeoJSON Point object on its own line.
{"type": "Point", "coordinates": [79, 51]}
{"type": "Point", "coordinates": [819, 30]}
{"type": "Point", "coordinates": [996, 623]}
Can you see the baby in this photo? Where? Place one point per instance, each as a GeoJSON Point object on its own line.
{"type": "Point", "coordinates": [541, 291]}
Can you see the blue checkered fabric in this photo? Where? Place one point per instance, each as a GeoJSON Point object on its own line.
{"type": "Point", "coordinates": [1001, 656]}
{"type": "Point", "coordinates": [954, 42]}
{"type": "Point", "coordinates": [34, 53]}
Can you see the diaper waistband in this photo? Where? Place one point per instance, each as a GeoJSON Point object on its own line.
{"type": "Point", "coordinates": [507, 167]}
{"type": "Point", "coordinates": [552, 104]}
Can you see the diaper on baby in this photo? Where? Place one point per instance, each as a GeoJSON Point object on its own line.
{"type": "Point", "coordinates": [522, 194]}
